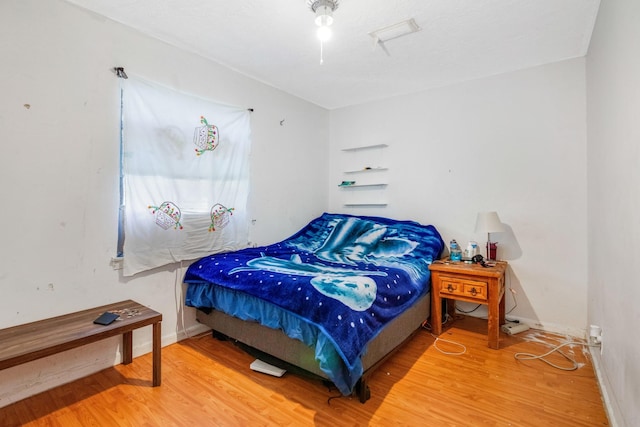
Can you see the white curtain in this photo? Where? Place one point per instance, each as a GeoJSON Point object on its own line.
{"type": "Point", "coordinates": [185, 163]}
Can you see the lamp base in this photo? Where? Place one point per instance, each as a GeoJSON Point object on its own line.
{"type": "Point", "coordinates": [491, 250]}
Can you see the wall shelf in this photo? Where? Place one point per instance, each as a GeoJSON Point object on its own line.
{"type": "Point", "coordinates": [365, 147]}
{"type": "Point", "coordinates": [367, 170]}
{"type": "Point", "coordinates": [379, 184]}
{"type": "Point", "coordinates": [364, 204]}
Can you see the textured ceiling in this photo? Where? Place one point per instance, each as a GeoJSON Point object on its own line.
{"type": "Point", "coordinates": [274, 41]}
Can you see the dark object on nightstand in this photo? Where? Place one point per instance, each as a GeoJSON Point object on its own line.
{"type": "Point", "coordinates": [479, 259]}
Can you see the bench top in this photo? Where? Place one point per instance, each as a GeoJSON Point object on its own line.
{"type": "Point", "coordinates": [31, 341]}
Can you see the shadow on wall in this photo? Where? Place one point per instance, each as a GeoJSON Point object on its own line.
{"type": "Point", "coordinates": [516, 301]}
{"type": "Point", "coordinates": [508, 246]}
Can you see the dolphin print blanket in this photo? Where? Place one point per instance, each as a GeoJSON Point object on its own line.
{"type": "Point", "coordinates": [340, 279]}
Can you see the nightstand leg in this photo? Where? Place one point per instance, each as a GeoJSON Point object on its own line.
{"type": "Point", "coordinates": [436, 313]}
{"type": "Point", "coordinates": [494, 320]}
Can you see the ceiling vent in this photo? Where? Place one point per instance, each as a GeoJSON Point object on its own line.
{"type": "Point", "coordinates": [392, 32]}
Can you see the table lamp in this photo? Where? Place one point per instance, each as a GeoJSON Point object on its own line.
{"type": "Point", "coordinates": [489, 222]}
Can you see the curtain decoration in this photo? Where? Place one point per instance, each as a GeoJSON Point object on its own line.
{"type": "Point", "coordinates": [185, 164]}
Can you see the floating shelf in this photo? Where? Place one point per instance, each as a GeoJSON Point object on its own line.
{"type": "Point", "coordinates": [364, 204]}
{"type": "Point", "coordinates": [367, 170]}
{"type": "Point", "coordinates": [363, 185]}
{"type": "Point", "coordinates": [365, 147]}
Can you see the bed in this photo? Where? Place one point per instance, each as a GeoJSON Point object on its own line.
{"type": "Point", "coordinates": [335, 299]}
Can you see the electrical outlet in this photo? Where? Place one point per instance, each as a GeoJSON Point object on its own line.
{"type": "Point", "coordinates": [595, 335]}
{"type": "Point", "coordinates": [116, 263]}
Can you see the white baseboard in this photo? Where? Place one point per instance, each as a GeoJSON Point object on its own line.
{"type": "Point", "coordinates": [610, 405]}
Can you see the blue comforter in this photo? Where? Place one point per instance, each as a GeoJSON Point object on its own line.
{"type": "Point", "coordinates": [348, 276]}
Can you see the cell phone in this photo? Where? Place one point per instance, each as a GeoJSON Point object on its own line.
{"type": "Point", "coordinates": [106, 318]}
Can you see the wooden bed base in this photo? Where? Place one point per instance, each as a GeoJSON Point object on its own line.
{"type": "Point", "coordinates": [292, 351]}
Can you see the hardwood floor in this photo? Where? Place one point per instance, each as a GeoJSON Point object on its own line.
{"type": "Point", "coordinates": [206, 382]}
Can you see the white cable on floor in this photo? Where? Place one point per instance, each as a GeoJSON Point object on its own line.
{"type": "Point", "coordinates": [529, 356]}
{"type": "Point", "coordinates": [427, 326]}
{"type": "Point", "coordinates": [459, 353]}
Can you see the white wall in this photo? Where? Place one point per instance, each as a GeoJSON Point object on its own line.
{"type": "Point", "coordinates": [514, 143]}
{"type": "Point", "coordinates": [59, 173]}
{"type": "Point", "coordinates": [613, 100]}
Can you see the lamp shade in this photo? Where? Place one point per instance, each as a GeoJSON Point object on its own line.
{"type": "Point", "coordinates": [488, 222]}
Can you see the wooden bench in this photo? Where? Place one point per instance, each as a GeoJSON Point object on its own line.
{"type": "Point", "coordinates": [31, 341]}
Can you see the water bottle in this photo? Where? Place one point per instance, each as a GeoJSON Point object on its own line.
{"type": "Point", "coordinates": [471, 251]}
{"type": "Point", "coordinates": [455, 253]}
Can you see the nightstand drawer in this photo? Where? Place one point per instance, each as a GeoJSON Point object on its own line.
{"type": "Point", "coordinates": [451, 287]}
{"type": "Point", "coordinates": [476, 290]}
{"type": "Point", "coordinates": [464, 287]}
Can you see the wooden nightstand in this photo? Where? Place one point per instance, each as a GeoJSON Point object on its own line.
{"type": "Point", "coordinates": [471, 283]}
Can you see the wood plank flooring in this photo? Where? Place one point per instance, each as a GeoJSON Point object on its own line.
{"type": "Point", "coordinates": [206, 382]}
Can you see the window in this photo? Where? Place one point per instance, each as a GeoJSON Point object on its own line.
{"type": "Point", "coordinates": [184, 176]}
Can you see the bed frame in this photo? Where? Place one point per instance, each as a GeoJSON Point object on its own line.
{"type": "Point", "coordinates": [275, 343]}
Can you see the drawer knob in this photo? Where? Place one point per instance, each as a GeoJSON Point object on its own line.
{"type": "Point", "coordinates": [474, 292]}
{"type": "Point", "coordinates": [450, 288]}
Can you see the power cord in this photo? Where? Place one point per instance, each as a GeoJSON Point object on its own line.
{"type": "Point", "coordinates": [507, 285]}
{"type": "Point", "coordinates": [575, 365]}
{"type": "Point", "coordinates": [447, 318]}
{"type": "Point", "coordinates": [513, 291]}
{"type": "Point", "coordinates": [426, 325]}
{"type": "Point", "coordinates": [450, 353]}
{"type": "Point", "coordinates": [179, 297]}
{"type": "Point", "coordinates": [458, 309]}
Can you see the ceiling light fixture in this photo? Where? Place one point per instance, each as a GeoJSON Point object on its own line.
{"type": "Point", "coordinates": [324, 18]}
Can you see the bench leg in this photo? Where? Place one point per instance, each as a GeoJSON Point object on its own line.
{"type": "Point", "coordinates": [157, 337]}
{"type": "Point", "coordinates": [127, 347]}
